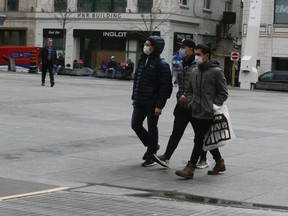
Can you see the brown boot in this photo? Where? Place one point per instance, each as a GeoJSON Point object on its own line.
{"type": "Point", "coordinates": [219, 167]}
{"type": "Point", "coordinates": [187, 172]}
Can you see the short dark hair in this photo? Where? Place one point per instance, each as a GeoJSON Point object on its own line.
{"type": "Point", "coordinates": [205, 49]}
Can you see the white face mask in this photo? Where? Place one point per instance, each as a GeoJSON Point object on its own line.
{"type": "Point", "coordinates": [182, 52]}
{"type": "Point", "coordinates": [198, 59]}
{"type": "Point", "coordinates": [146, 50]}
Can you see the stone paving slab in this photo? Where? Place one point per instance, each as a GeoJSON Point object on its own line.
{"type": "Point", "coordinates": [11, 188]}
{"type": "Point", "coordinates": [98, 204]}
{"type": "Point", "coordinates": [78, 133]}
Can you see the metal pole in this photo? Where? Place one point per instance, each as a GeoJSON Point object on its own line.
{"type": "Point", "coordinates": [233, 74]}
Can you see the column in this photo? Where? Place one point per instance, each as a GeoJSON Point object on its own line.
{"type": "Point", "coordinates": [132, 6]}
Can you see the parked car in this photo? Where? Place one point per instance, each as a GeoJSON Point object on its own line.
{"type": "Point", "coordinates": [273, 80]}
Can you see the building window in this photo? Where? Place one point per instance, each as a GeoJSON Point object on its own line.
{"type": "Point", "coordinates": [12, 5]}
{"type": "Point", "coordinates": [228, 5]}
{"type": "Point", "coordinates": [145, 6]}
{"type": "Point", "coordinates": [13, 37]}
{"type": "Point", "coordinates": [102, 5]}
{"type": "Point", "coordinates": [119, 6]}
{"type": "Point", "coordinates": [279, 63]}
{"type": "Point", "coordinates": [184, 2]}
{"type": "Point", "coordinates": [207, 4]}
{"type": "Point", "coordinates": [86, 6]}
{"type": "Point", "coordinates": [60, 5]}
{"type": "Point", "coordinates": [280, 12]}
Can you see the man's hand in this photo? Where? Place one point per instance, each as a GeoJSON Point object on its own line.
{"type": "Point", "coordinates": [158, 111]}
{"type": "Point", "coordinates": [182, 99]}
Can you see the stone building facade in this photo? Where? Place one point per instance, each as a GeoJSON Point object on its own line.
{"type": "Point", "coordinates": [95, 30]}
{"type": "Point", "coordinates": [273, 35]}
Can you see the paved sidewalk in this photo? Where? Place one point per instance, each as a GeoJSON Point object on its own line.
{"type": "Point", "coordinates": [77, 135]}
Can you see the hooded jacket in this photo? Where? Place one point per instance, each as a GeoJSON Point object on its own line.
{"type": "Point", "coordinates": [183, 74]}
{"type": "Point", "coordinates": [207, 86]}
{"type": "Point", "coordinates": [152, 81]}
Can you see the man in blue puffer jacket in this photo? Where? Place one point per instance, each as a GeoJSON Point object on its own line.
{"type": "Point", "coordinates": [152, 87]}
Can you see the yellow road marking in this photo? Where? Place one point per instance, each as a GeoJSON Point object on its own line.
{"type": "Point", "coordinates": [33, 193]}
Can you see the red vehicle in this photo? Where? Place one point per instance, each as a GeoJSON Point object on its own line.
{"type": "Point", "coordinates": [24, 56]}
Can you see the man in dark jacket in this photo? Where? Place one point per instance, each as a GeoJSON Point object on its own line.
{"type": "Point", "coordinates": [128, 69]}
{"type": "Point", "coordinates": [48, 59]}
{"type": "Point", "coordinates": [182, 115]}
{"type": "Point", "coordinates": [111, 66]}
{"type": "Point", "coordinates": [207, 86]}
{"type": "Point", "coordinates": [152, 87]}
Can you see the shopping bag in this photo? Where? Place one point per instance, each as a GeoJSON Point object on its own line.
{"type": "Point", "coordinates": [221, 131]}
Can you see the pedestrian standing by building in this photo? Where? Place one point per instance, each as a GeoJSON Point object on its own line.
{"type": "Point", "coordinates": [151, 89]}
{"type": "Point", "coordinates": [207, 86]}
{"type": "Point", "coordinates": [60, 63]}
{"type": "Point", "coordinates": [176, 63]}
{"type": "Point", "coordinates": [48, 58]}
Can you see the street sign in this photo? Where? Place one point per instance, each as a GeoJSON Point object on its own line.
{"type": "Point", "coordinates": [234, 56]}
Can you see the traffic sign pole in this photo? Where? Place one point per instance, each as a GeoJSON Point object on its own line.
{"type": "Point", "coordinates": [233, 74]}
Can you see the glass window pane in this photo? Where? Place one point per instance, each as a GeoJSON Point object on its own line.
{"type": "Point", "coordinates": [266, 77]}
{"type": "Point", "coordinates": [13, 37]}
{"type": "Point", "coordinates": [60, 5]}
{"type": "Point", "coordinates": [207, 4]}
{"type": "Point", "coordinates": [184, 2]}
{"type": "Point", "coordinates": [145, 6]}
{"type": "Point", "coordinates": [103, 6]}
{"type": "Point", "coordinates": [12, 5]}
{"type": "Point", "coordinates": [280, 12]}
{"type": "Point", "coordinates": [119, 6]}
{"type": "Point", "coordinates": [86, 6]}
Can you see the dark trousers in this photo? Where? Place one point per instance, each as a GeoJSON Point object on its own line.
{"type": "Point", "coordinates": [149, 137]}
{"type": "Point", "coordinates": [125, 73]}
{"type": "Point", "coordinates": [48, 67]}
{"type": "Point", "coordinates": [200, 127]}
{"type": "Point", "coordinates": [182, 117]}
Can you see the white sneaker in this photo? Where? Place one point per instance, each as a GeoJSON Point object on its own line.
{"type": "Point", "coordinates": [202, 164]}
{"type": "Point", "coordinates": [162, 160]}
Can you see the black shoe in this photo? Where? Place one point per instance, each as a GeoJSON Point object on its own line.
{"type": "Point", "coordinates": [149, 163]}
{"type": "Point", "coordinates": [42, 84]}
{"type": "Point", "coordinates": [52, 84]}
{"type": "Point", "coordinates": [162, 160]}
{"type": "Point", "coordinates": [145, 156]}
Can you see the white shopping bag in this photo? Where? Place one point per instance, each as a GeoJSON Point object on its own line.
{"type": "Point", "coordinates": [221, 131]}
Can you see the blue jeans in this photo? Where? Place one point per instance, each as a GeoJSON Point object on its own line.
{"type": "Point", "coordinates": [149, 137]}
{"type": "Point", "coordinates": [107, 72]}
{"type": "Point", "coordinates": [58, 69]}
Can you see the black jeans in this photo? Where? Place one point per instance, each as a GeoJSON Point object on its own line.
{"type": "Point", "coordinates": [182, 117]}
{"type": "Point", "coordinates": [200, 127]}
{"type": "Point", "coordinates": [48, 67]}
{"type": "Point", "coordinates": [149, 137]}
